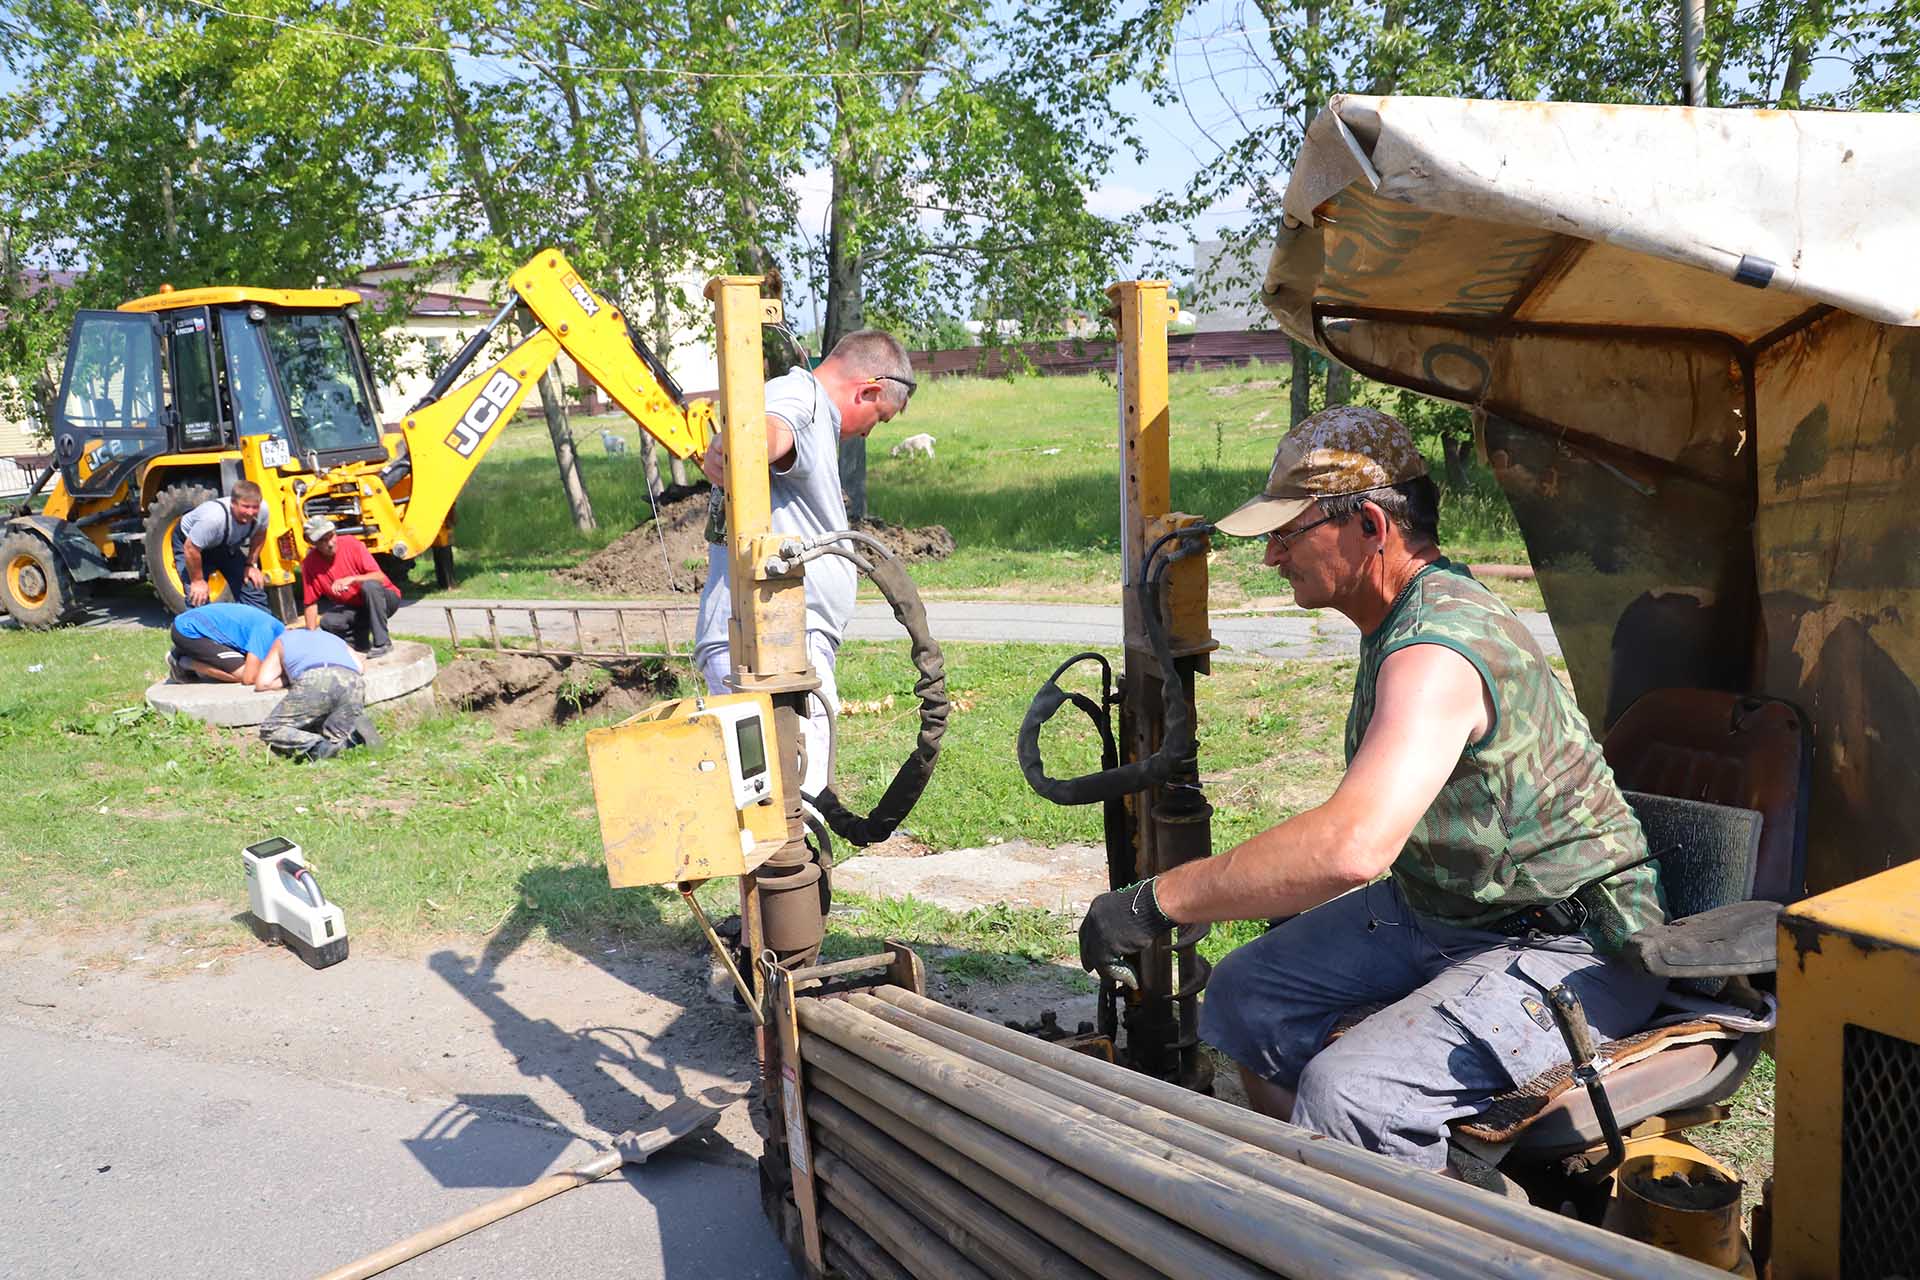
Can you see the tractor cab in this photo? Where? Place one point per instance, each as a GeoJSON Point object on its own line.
{"type": "Point", "coordinates": [209, 369]}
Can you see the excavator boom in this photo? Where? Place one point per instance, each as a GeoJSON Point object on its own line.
{"type": "Point", "coordinates": [450, 431]}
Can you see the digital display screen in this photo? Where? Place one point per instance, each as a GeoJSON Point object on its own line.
{"type": "Point", "coordinates": [267, 848]}
{"type": "Point", "coordinates": [752, 747]}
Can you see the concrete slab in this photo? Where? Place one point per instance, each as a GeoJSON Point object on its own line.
{"type": "Point", "coordinates": [410, 667]}
{"type": "Point", "coordinates": [1018, 873]}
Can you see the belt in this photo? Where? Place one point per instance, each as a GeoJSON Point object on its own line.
{"type": "Point", "coordinates": [1569, 915]}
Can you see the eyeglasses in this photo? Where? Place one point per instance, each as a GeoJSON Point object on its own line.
{"type": "Point", "coordinates": [1281, 541]}
{"type": "Point", "coordinates": [908, 383]}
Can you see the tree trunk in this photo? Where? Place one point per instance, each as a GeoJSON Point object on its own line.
{"type": "Point", "coordinates": [480, 175]}
{"type": "Point", "coordinates": [846, 312]}
{"type": "Point", "coordinates": [1300, 375]}
{"type": "Point", "coordinates": [1339, 383]}
{"type": "Point", "coordinates": [656, 279]}
{"type": "Point", "coordinates": [565, 454]}
{"type": "Point", "coordinates": [1454, 451]}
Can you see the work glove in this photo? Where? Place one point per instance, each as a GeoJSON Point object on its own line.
{"type": "Point", "coordinates": [1118, 926]}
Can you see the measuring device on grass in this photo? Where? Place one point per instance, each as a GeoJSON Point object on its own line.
{"type": "Point", "coordinates": [687, 790]}
{"type": "Point", "coordinates": [287, 905]}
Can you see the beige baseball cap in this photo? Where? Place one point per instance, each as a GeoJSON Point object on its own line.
{"type": "Point", "coordinates": [1346, 449]}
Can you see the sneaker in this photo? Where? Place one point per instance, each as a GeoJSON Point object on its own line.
{"type": "Point", "coordinates": [364, 734]}
{"type": "Point", "coordinates": [380, 651]}
{"type": "Point", "coordinates": [178, 671]}
{"type": "Point", "coordinates": [325, 749]}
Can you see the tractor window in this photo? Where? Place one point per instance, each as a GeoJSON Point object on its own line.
{"type": "Point", "coordinates": [249, 383]}
{"type": "Point", "coordinates": [113, 376]}
{"type": "Point", "coordinates": [324, 392]}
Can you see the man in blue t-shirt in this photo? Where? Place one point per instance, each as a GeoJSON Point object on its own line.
{"type": "Point", "coordinates": [324, 712]}
{"type": "Point", "coordinates": [222, 642]}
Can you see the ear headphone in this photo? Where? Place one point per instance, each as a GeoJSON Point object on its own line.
{"type": "Point", "coordinates": [1367, 526]}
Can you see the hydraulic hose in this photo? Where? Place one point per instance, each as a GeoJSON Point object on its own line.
{"type": "Point", "coordinates": [910, 781]}
{"type": "Point", "coordinates": [1177, 743]}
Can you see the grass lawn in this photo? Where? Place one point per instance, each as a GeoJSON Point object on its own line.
{"type": "Point", "coordinates": [1025, 477]}
{"type": "Point", "coordinates": [457, 829]}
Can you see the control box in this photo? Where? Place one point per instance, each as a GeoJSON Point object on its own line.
{"type": "Point", "coordinates": [688, 790]}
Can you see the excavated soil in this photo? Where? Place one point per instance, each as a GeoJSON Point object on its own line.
{"type": "Point", "coordinates": [637, 564]}
{"type": "Point", "coordinates": [520, 692]}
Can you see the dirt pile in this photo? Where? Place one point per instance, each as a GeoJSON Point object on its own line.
{"type": "Point", "coordinates": [668, 555]}
{"type": "Point", "coordinates": [518, 691]}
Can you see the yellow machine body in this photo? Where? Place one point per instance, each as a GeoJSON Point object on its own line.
{"type": "Point", "coordinates": [664, 787]}
{"type": "Point", "coordinates": [395, 490]}
{"type": "Point", "coordinates": [1847, 1093]}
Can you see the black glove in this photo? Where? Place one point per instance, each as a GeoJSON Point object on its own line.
{"type": "Point", "coordinates": [1119, 924]}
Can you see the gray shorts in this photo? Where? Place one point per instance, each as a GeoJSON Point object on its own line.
{"type": "Point", "coordinates": [1466, 1016]}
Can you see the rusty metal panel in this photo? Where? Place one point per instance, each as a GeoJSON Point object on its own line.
{"type": "Point", "coordinates": [1838, 538]}
{"type": "Point", "coordinates": [1649, 583]}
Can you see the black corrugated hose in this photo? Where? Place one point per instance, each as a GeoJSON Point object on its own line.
{"type": "Point", "coordinates": [888, 574]}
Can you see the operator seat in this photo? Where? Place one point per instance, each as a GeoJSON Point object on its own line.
{"type": "Point", "coordinates": [1718, 781]}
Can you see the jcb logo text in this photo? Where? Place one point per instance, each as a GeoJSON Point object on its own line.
{"type": "Point", "coordinates": [483, 414]}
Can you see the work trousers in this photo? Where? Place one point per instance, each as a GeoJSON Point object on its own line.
{"type": "Point", "coordinates": [822, 704]}
{"type": "Point", "coordinates": [363, 624]}
{"type": "Point", "coordinates": [1466, 1016]}
{"type": "Point", "coordinates": [228, 561]}
{"type": "Point", "coordinates": [321, 706]}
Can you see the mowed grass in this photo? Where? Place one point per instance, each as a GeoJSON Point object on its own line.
{"type": "Point", "coordinates": [455, 828]}
{"type": "Point", "coordinates": [1025, 476]}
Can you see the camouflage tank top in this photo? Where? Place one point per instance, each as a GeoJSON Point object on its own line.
{"type": "Point", "coordinates": [1531, 814]}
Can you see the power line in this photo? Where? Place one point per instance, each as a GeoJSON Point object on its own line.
{"type": "Point", "coordinates": [687, 73]}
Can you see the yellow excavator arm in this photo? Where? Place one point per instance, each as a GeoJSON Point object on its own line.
{"type": "Point", "coordinates": [452, 427]}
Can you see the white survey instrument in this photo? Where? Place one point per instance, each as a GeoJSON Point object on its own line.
{"type": "Point", "coordinates": [287, 904]}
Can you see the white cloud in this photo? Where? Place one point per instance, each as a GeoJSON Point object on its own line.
{"type": "Point", "coordinates": [813, 189]}
{"type": "Point", "coordinates": [1116, 199]}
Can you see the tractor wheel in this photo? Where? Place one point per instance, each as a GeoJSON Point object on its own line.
{"type": "Point", "coordinates": [170, 505]}
{"type": "Point", "coordinates": [35, 586]}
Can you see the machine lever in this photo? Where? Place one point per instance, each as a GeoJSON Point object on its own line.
{"type": "Point", "coordinates": [1572, 1021]}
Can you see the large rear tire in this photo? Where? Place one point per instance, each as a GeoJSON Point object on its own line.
{"type": "Point", "coordinates": [35, 586]}
{"type": "Point", "coordinates": [169, 506]}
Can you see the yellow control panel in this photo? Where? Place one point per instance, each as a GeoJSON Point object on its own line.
{"type": "Point", "coordinates": [688, 790]}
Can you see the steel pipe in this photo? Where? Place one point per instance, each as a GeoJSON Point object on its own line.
{"type": "Point", "coordinates": [1282, 1232]}
{"type": "Point", "coordinates": [1415, 1232]}
{"type": "Point", "coordinates": [1557, 1237]}
{"type": "Point", "coordinates": [1168, 1246]}
{"type": "Point", "coordinates": [898, 1232]}
{"type": "Point", "coordinates": [968, 1222]}
{"type": "Point", "coordinates": [1102, 1257]}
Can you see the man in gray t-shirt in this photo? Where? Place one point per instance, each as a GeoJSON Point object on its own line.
{"type": "Point", "coordinates": [863, 382]}
{"type": "Point", "coordinates": [223, 536]}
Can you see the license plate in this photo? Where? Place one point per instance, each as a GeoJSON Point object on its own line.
{"type": "Point", "coordinates": [274, 453]}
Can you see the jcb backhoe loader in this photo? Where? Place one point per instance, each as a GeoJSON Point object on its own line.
{"type": "Point", "coordinates": [170, 399]}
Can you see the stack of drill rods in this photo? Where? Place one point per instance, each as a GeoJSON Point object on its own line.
{"type": "Point", "coordinates": [1418, 1237]}
{"type": "Point", "coordinates": [1104, 1258]}
{"type": "Point", "coordinates": [892, 1227]}
{"type": "Point", "coordinates": [1287, 1233]}
{"type": "Point", "coordinates": [851, 1252]}
{"type": "Point", "coordinates": [1589, 1248]}
{"type": "Point", "coordinates": [1167, 1248]}
{"type": "Point", "coordinates": [998, 1245]}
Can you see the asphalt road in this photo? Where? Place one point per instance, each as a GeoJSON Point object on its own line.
{"type": "Point", "coordinates": [1292, 634]}
{"type": "Point", "coordinates": [123, 1159]}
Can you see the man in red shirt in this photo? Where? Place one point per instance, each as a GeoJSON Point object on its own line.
{"type": "Point", "coordinates": [345, 591]}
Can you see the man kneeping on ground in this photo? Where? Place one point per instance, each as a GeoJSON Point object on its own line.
{"type": "Point", "coordinates": [226, 643]}
{"type": "Point", "coordinates": [344, 590]}
{"type": "Point", "coordinates": [1477, 853]}
{"type": "Point", "coordinates": [865, 381]}
{"type": "Point", "coordinates": [324, 712]}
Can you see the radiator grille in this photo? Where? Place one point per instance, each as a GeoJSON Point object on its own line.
{"type": "Point", "coordinates": [1879, 1178]}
